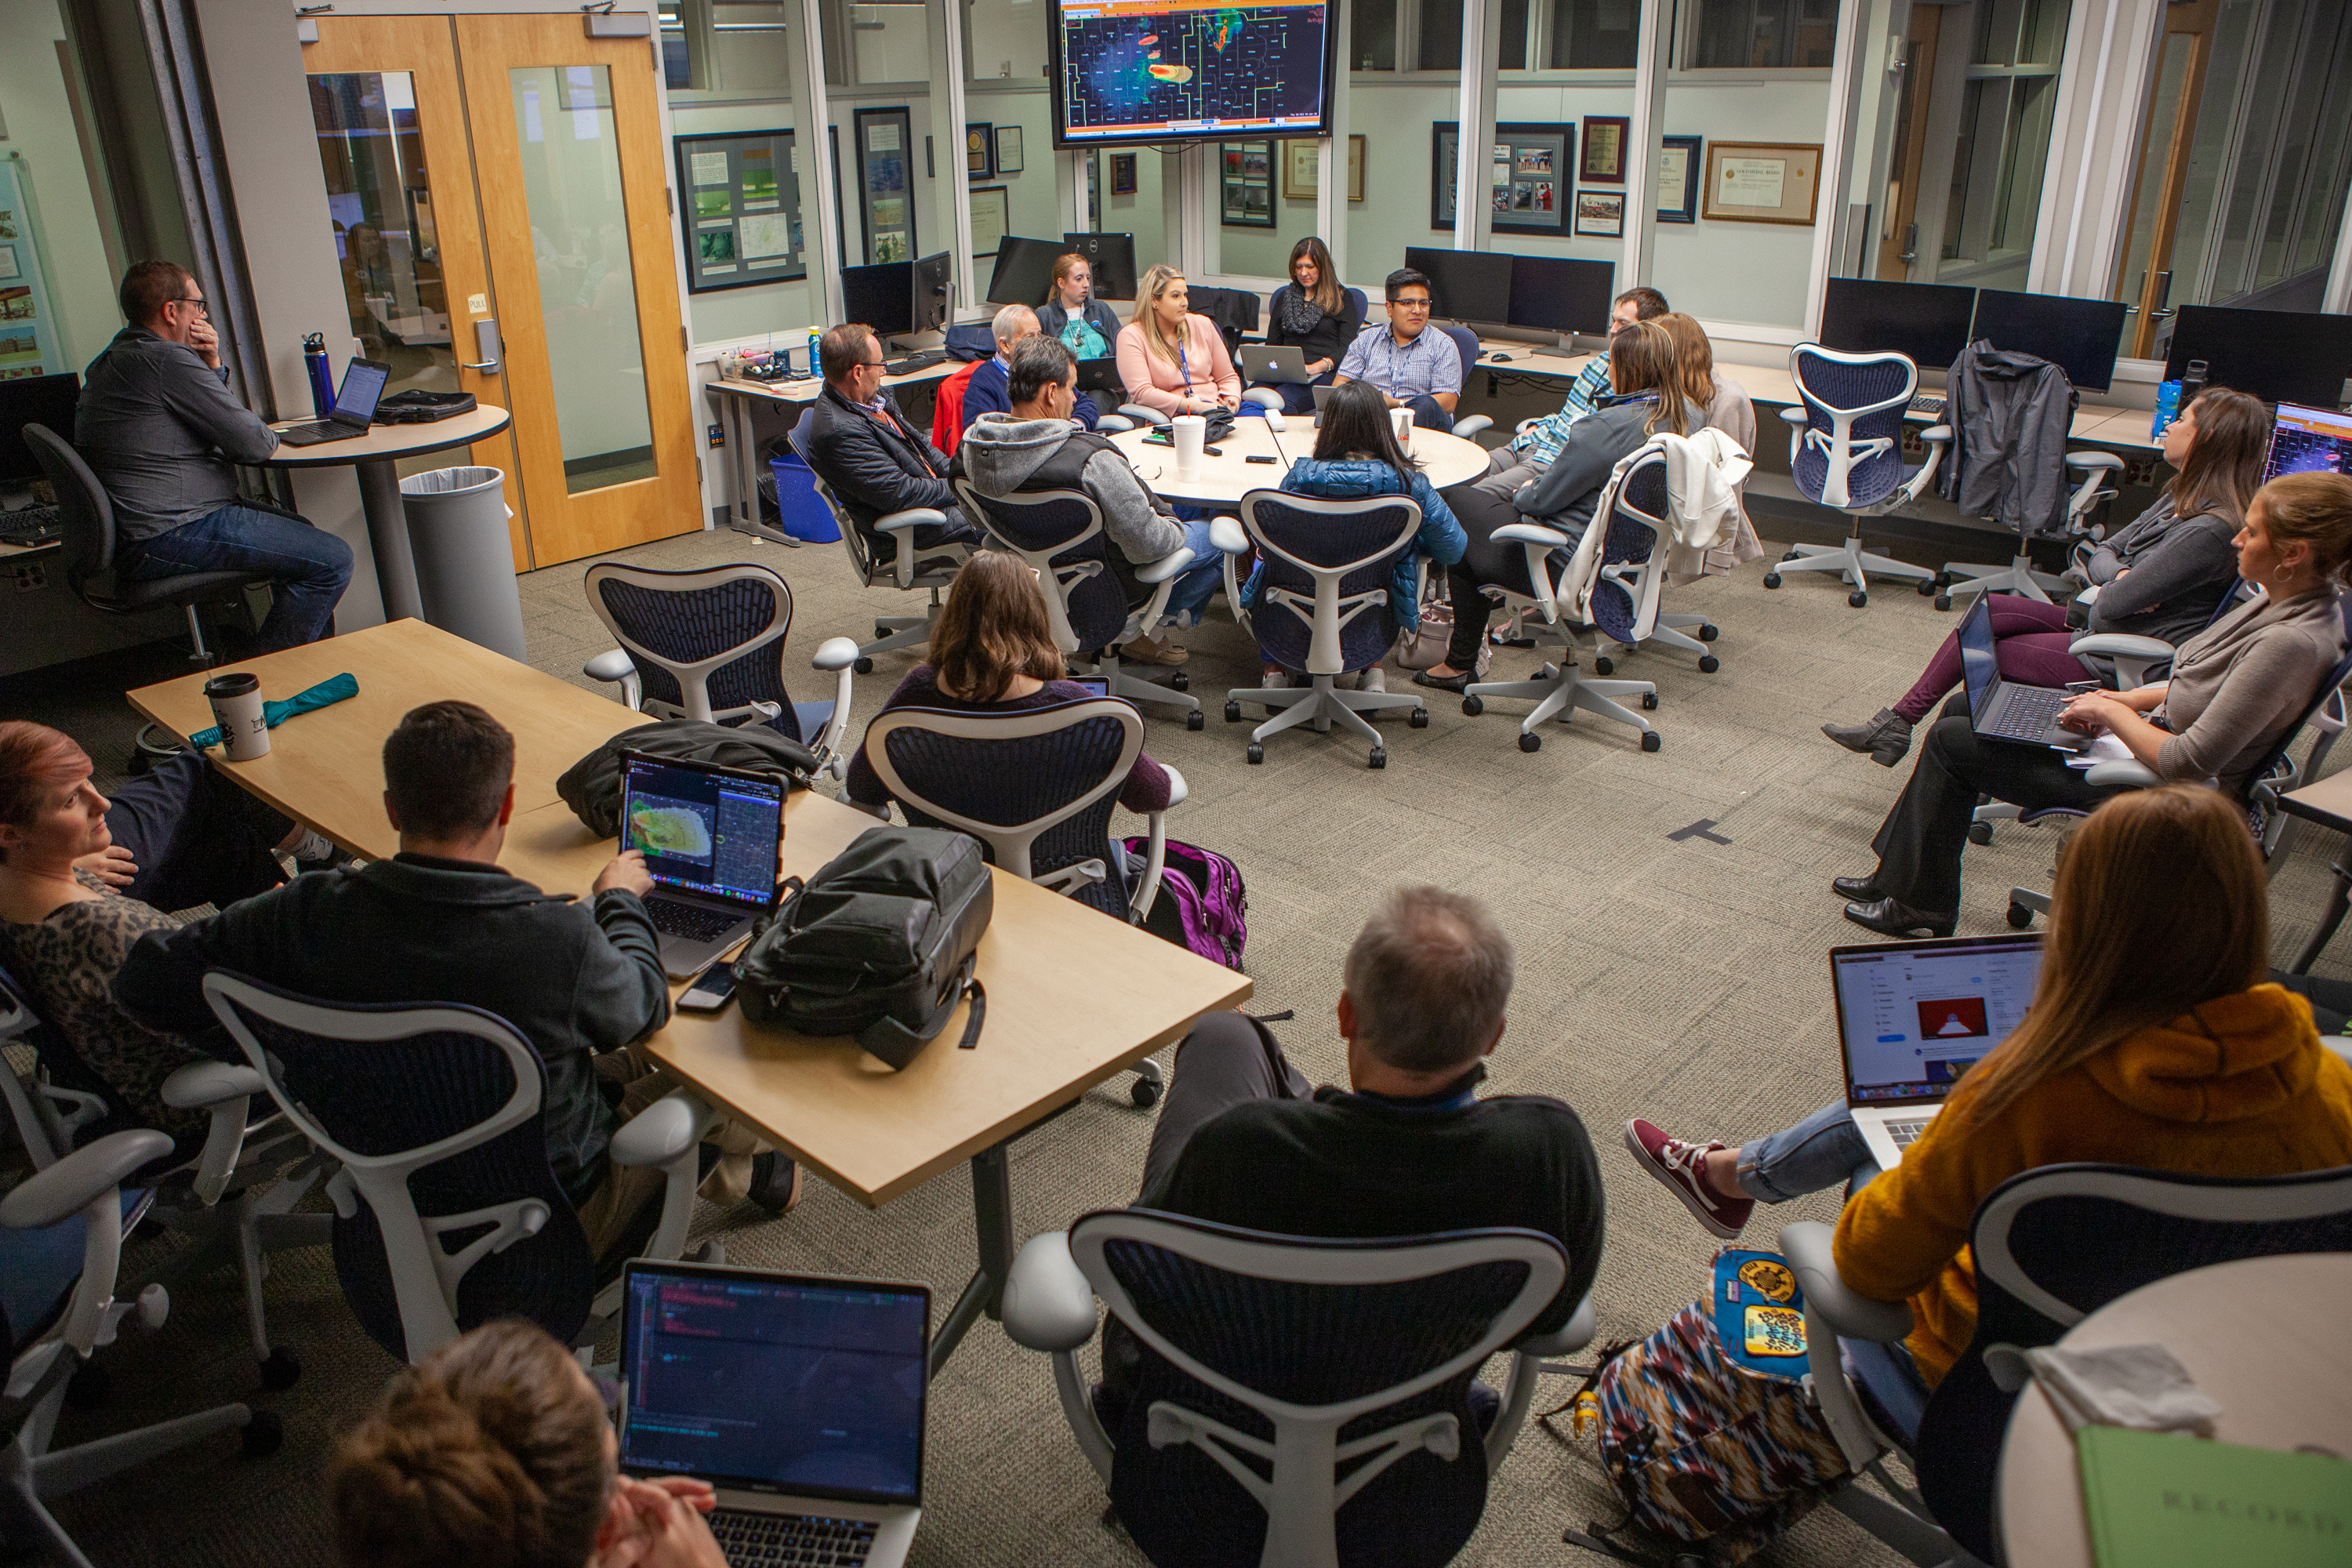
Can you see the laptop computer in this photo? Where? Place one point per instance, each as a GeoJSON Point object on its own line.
{"type": "Point", "coordinates": [2009, 711]}
{"type": "Point", "coordinates": [801, 1399]}
{"type": "Point", "coordinates": [1099, 374]}
{"type": "Point", "coordinates": [1322, 401]}
{"type": "Point", "coordinates": [355, 403]}
{"type": "Point", "coordinates": [1263, 363]}
{"type": "Point", "coordinates": [708, 835]}
{"type": "Point", "coordinates": [1914, 1016]}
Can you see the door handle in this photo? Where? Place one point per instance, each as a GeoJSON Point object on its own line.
{"type": "Point", "coordinates": [485, 345]}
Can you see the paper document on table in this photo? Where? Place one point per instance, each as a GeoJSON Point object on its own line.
{"type": "Point", "coordinates": [2103, 749]}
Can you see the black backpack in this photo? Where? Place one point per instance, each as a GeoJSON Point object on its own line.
{"type": "Point", "coordinates": [591, 786]}
{"type": "Point", "coordinates": [878, 944]}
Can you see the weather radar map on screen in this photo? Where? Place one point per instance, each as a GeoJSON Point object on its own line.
{"type": "Point", "coordinates": [1143, 70]}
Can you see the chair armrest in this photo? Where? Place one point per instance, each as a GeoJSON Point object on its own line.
{"type": "Point", "coordinates": [1226, 534]}
{"type": "Point", "coordinates": [1936, 434]}
{"type": "Point", "coordinates": [1048, 1305]}
{"type": "Point", "coordinates": [2089, 595]}
{"type": "Point", "coordinates": [227, 1092]}
{"type": "Point", "coordinates": [1264, 396]}
{"type": "Point", "coordinates": [1532, 533]}
{"type": "Point", "coordinates": [913, 517]}
{"type": "Point", "coordinates": [1112, 424]}
{"type": "Point", "coordinates": [835, 653]}
{"type": "Point", "coordinates": [81, 1178]}
{"type": "Point", "coordinates": [611, 665]}
{"type": "Point", "coordinates": [2106, 461]}
{"type": "Point", "coordinates": [1167, 566]}
{"type": "Point", "coordinates": [2121, 645]}
{"type": "Point", "coordinates": [1796, 414]}
{"type": "Point", "coordinates": [1140, 415]}
{"type": "Point", "coordinates": [1178, 790]}
{"type": "Point", "coordinates": [2121, 774]}
{"type": "Point", "coordinates": [839, 657]}
{"type": "Point", "coordinates": [201, 1084]}
{"type": "Point", "coordinates": [661, 1132]}
{"type": "Point", "coordinates": [1523, 425]}
{"type": "Point", "coordinates": [1465, 428]}
{"type": "Point", "coordinates": [1806, 1244]}
{"type": "Point", "coordinates": [1569, 1337]}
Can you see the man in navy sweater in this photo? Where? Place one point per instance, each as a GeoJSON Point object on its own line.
{"type": "Point", "coordinates": [987, 391]}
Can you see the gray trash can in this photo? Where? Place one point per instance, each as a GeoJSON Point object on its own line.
{"type": "Point", "coordinates": [465, 566]}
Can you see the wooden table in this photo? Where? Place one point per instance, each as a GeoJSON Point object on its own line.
{"type": "Point", "coordinates": [325, 768]}
{"type": "Point", "coordinates": [732, 400]}
{"type": "Point", "coordinates": [2327, 802]}
{"type": "Point", "coordinates": [372, 458]}
{"type": "Point", "coordinates": [2263, 1336]}
{"type": "Point", "coordinates": [1222, 481]}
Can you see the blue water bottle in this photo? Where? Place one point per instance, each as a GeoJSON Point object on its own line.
{"type": "Point", "coordinates": [2168, 407]}
{"type": "Point", "coordinates": [322, 385]}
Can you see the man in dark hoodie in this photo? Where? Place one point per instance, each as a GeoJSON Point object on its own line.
{"type": "Point", "coordinates": [440, 923]}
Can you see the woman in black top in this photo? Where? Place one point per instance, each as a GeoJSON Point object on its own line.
{"type": "Point", "coordinates": [1315, 315]}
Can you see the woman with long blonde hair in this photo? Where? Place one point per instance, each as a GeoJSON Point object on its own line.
{"type": "Point", "coordinates": [2152, 1039]}
{"type": "Point", "coordinates": [1170, 360]}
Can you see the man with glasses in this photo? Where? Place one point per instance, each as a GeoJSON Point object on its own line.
{"type": "Point", "coordinates": [1531, 451]}
{"type": "Point", "coordinates": [864, 448]}
{"type": "Point", "coordinates": [159, 427]}
{"type": "Point", "coordinates": [1413, 367]}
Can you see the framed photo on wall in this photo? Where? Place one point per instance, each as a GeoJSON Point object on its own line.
{"type": "Point", "coordinates": [1600, 215]}
{"type": "Point", "coordinates": [1302, 169]}
{"type": "Point", "coordinates": [1008, 154]}
{"type": "Point", "coordinates": [1762, 181]}
{"type": "Point", "coordinates": [1443, 138]}
{"type": "Point", "coordinates": [1528, 176]}
{"type": "Point", "coordinates": [1679, 163]}
{"type": "Point", "coordinates": [884, 142]}
{"type": "Point", "coordinates": [1604, 149]}
{"type": "Point", "coordinates": [743, 210]}
{"type": "Point", "coordinates": [1245, 181]}
{"type": "Point", "coordinates": [980, 151]}
{"type": "Point", "coordinates": [1122, 173]}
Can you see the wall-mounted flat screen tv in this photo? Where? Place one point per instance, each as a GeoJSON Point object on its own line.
{"type": "Point", "coordinates": [1130, 71]}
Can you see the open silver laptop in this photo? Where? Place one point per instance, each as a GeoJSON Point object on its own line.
{"type": "Point", "coordinates": [801, 1399]}
{"type": "Point", "coordinates": [2001, 710]}
{"type": "Point", "coordinates": [1914, 1016]}
{"type": "Point", "coordinates": [1264, 363]}
{"type": "Point", "coordinates": [708, 835]}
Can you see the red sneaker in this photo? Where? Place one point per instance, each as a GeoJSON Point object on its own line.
{"type": "Point", "coordinates": [1678, 1165]}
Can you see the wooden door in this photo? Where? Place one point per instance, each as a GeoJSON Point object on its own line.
{"type": "Point", "coordinates": [1898, 244]}
{"type": "Point", "coordinates": [2169, 131]}
{"type": "Point", "coordinates": [384, 92]}
{"type": "Point", "coordinates": [568, 160]}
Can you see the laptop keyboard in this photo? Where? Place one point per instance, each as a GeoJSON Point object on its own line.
{"type": "Point", "coordinates": [1905, 1133]}
{"type": "Point", "coordinates": [1929, 404]}
{"type": "Point", "coordinates": [2031, 710]}
{"type": "Point", "coordinates": [690, 922]}
{"type": "Point", "coordinates": [753, 1540]}
{"type": "Point", "coordinates": [33, 525]}
{"type": "Point", "coordinates": [317, 428]}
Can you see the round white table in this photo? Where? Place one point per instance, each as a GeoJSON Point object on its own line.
{"type": "Point", "coordinates": [1225, 480]}
{"type": "Point", "coordinates": [2264, 1337]}
{"type": "Point", "coordinates": [372, 456]}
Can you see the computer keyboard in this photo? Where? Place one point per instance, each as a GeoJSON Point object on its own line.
{"type": "Point", "coordinates": [33, 525]}
{"type": "Point", "coordinates": [755, 1539]}
{"type": "Point", "coordinates": [690, 921]}
{"type": "Point", "coordinates": [2030, 711]}
{"type": "Point", "coordinates": [913, 363]}
{"type": "Point", "coordinates": [1931, 406]}
{"type": "Point", "coordinates": [1905, 1133]}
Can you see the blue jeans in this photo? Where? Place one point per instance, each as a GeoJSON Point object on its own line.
{"type": "Point", "coordinates": [1428, 414]}
{"type": "Point", "coordinates": [196, 837]}
{"type": "Point", "coordinates": [1298, 396]}
{"type": "Point", "coordinates": [309, 568]}
{"type": "Point", "coordinates": [1823, 1150]}
{"type": "Point", "coordinates": [1198, 580]}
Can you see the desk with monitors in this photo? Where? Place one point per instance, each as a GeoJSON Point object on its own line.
{"type": "Point", "coordinates": [1541, 293]}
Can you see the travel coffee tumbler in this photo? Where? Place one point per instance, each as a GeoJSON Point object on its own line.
{"type": "Point", "coordinates": [237, 708]}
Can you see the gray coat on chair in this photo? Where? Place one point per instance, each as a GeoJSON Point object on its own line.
{"type": "Point", "coordinates": [2011, 413]}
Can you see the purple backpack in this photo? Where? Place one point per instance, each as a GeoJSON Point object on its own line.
{"type": "Point", "coordinates": [1201, 904]}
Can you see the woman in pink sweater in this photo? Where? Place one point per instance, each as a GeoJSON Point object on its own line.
{"type": "Point", "coordinates": [1173, 361]}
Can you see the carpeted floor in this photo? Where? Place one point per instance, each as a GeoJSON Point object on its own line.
{"type": "Point", "coordinates": [1666, 975]}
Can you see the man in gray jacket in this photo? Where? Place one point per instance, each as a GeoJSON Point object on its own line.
{"type": "Point", "coordinates": [1035, 447]}
{"type": "Point", "coordinates": [158, 427]}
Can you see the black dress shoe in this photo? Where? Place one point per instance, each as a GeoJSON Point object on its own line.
{"type": "Point", "coordinates": [1861, 889]}
{"type": "Point", "coordinates": [775, 1182]}
{"type": "Point", "coordinates": [1890, 917]}
{"type": "Point", "coordinates": [1443, 682]}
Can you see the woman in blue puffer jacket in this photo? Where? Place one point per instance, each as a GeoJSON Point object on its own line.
{"type": "Point", "coordinates": [1357, 455]}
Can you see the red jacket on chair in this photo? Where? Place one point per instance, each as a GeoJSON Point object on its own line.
{"type": "Point", "coordinates": [947, 409]}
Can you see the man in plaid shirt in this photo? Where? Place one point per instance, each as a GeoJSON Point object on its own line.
{"type": "Point", "coordinates": [1508, 468]}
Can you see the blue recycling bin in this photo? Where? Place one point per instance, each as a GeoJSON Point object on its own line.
{"type": "Point", "coordinates": [805, 513]}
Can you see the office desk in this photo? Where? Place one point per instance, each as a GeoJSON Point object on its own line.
{"type": "Point", "coordinates": [2327, 802]}
{"type": "Point", "coordinates": [732, 401]}
{"type": "Point", "coordinates": [372, 456]}
{"type": "Point", "coordinates": [1222, 481]}
{"type": "Point", "coordinates": [325, 767]}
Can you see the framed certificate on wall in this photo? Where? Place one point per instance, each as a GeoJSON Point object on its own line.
{"type": "Point", "coordinates": [1679, 164]}
{"type": "Point", "coordinates": [1762, 181]}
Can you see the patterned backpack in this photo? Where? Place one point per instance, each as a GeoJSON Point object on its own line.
{"type": "Point", "coordinates": [1201, 904]}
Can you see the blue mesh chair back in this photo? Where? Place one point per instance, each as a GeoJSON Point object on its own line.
{"type": "Point", "coordinates": [1061, 530]}
{"type": "Point", "coordinates": [665, 620]}
{"type": "Point", "coordinates": [946, 769]}
{"type": "Point", "coordinates": [2053, 1246]}
{"type": "Point", "coordinates": [1636, 527]}
{"type": "Point", "coordinates": [385, 1097]}
{"type": "Point", "coordinates": [1304, 1342]}
{"type": "Point", "coordinates": [1364, 537]}
{"type": "Point", "coordinates": [1873, 390]}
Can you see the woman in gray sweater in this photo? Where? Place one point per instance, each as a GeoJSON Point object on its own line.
{"type": "Point", "coordinates": [2161, 577]}
{"type": "Point", "coordinates": [2236, 688]}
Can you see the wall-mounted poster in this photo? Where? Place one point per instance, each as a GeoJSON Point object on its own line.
{"type": "Point", "coordinates": [1302, 169]}
{"type": "Point", "coordinates": [1528, 177]}
{"type": "Point", "coordinates": [1245, 178]}
{"type": "Point", "coordinates": [1600, 215]}
{"type": "Point", "coordinates": [1010, 158]}
{"type": "Point", "coordinates": [1679, 163]}
{"type": "Point", "coordinates": [884, 140]}
{"type": "Point", "coordinates": [742, 209]}
{"type": "Point", "coordinates": [1604, 149]}
{"type": "Point", "coordinates": [1762, 181]}
{"type": "Point", "coordinates": [980, 151]}
{"type": "Point", "coordinates": [1122, 173]}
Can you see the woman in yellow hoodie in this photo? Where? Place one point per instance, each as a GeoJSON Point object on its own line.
{"type": "Point", "coordinates": [2152, 1041]}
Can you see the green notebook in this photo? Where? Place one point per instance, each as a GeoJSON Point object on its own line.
{"type": "Point", "coordinates": [2159, 1500]}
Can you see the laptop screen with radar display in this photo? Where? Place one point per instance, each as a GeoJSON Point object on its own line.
{"type": "Point", "coordinates": [775, 1383]}
{"type": "Point", "coordinates": [703, 830]}
{"type": "Point", "coordinates": [1914, 1016]}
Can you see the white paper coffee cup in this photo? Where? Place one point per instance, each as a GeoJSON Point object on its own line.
{"type": "Point", "coordinates": [1191, 434]}
{"type": "Point", "coordinates": [237, 708]}
{"type": "Point", "coordinates": [1400, 420]}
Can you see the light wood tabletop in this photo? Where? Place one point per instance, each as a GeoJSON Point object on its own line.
{"type": "Point", "coordinates": [2261, 1336]}
{"type": "Point", "coordinates": [806, 389]}
{"type": "Point", "coordinates": [384, 441]}
{"type": "Point", "coordinates": [325, 766]}
{"type": "Point", "coordinates": [1225, 480]}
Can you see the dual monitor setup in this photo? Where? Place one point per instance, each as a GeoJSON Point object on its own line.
{"type": "Point", "coordinates": [1024, 267]}
{"type": "Point", "coordinates": [1541, 293]}
{"type": "Point", "coordinates": [897, 298]}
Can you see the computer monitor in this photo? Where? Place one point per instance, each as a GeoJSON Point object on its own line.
{"type": "Point", "coordinates": [1467, 285]}
{"type": "Point", "coordinates": [2078, 336]}
{"type": "Point", "coordinates": [47, 400]}
{"type": "Point", "coordinates": [1110, 257]}
{"type": "Point", "coordinates": [934, 293]}
{"type": "Point", "coordinates": [2308, 441]}
{"type": "Point", "coordinates": [2279, 356]}
{"type": "Point", "coordinates": [1928, 321]}
{"type": "Point", "coordinates": [1562, 293]}
{"type": "Point", "coordinates": [1126, 72]}
{"type": "Point", "coordinates": [883, 297]}
{"type": "Point", "coordinates": [1025, 270]}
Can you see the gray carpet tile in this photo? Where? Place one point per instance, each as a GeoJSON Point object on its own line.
{"type": "Point", "coordinates": [1681, 980]}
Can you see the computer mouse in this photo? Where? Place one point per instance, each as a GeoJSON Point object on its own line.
{"type": "Point", "coordinates": [1502, 359]}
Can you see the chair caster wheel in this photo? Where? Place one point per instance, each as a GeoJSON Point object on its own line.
{"type": "Point", "coordinates": [1708, 633]}
{"type": "Point", "coordinates": [1196, 719]}
{"type": "Point", "coordinates": [1257, 754]}
{"type": "Point", "coordinates": [1604, 665]}
{"type": "Point", "coordinates": [1379, 759]}
{"type": "Point", "coordinates": [1473, 706]}
{"type": "Point", "coordinates": [280, 1371]}
{"type": "Point", "coordinates": [1418, 718]}
{"type": "Point", "coordinates": [880, 631]}
{"type": "Point", "coordinates": [1530, 741]}
{"type": "Point", "coordinates": [1145, 1093]}
{"type": "Point", "coordinates": [1792, 555]}
{"type": "Point", "coordinates": [1927, 586]}
{"type": "Point", "coordinates": [1857, 598]}
{"type": "Point", "coordinates": [1649, 702]}
{"type": "Point", "coordinates": [1943, 601]}
{"type": "Point", "coordinates": [1179, 681]}
{"type": "Point", "coordinates": [864, 667]}
{"type": "Point", "coordinates": [262, 1434]}
{"type": "Point", "coordinates": [1980, 832]}
{"type": "Point", "coordinates": [1708, 664]}
{"type": "Point", "coordinates": [2019, 917]}
{"type": "Point", "coordinates": [1233, 711]}
{"type": "Point", "coordinates": [1771, 579]}
{"type": "Point", "coordinates": [1652, 740]}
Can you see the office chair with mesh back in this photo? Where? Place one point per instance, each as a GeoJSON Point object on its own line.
{"type": "Point", "coordinates": [2019, 576]}
{"type": "Point", "coordinates": [1845, 452]}
{"type": "Point", "coordinates": [906, 567]}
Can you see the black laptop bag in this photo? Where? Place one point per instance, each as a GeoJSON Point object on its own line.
{"type": "Point", "coordinates": [878, 944]}
{"type": "Point", "coordinates": [591, 786]}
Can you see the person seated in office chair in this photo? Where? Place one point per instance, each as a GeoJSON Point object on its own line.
{"type": "Point", "coordinates": [866, 452]}
{"type": "Point", "coordinates": [1648, 399]}
{"type": "Point", "coordinates": [1357, 455]}
{"type": "Point", "coordinates": [2236, 688]}
{"type": "Point", "coordinates": [1033, 447]}
{"type": "Point", "coordinates": [1531, 451]}
{"type": "Point", "coordinates": [1171, 361]}
{"type": "Point", "coordinates": [440, 923]}
{"type": "Point", "coordinates": [1409, 1148]}
{"type": "Point", "coordinates": [2152, 1040]}
{"type": "Point", "coordinates": [82, 877]}
{"type": "Point", "coordinates": [157, 425]}
{"type": "Point", "coordinates": [1412, 366]}
{"type": "Point", "coordinates": [985, 393]}
{"type": "Point", "coordinates": [2161, 577]}
{"type": "Point", "coordinates": [498, 1448]}
{"type": "Point", "coordinates": [1074, 317]}
{"type": "Point", "coordinates": [1315, 314]}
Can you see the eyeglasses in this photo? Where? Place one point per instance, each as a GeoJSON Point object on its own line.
{"type": "Point", "coordinates": [1410, 304]}
{"type": "Point", "coordinates": [196, 299]}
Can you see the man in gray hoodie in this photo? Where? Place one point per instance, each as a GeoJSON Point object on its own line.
{"type": "Point", "coordinates": [1035, 447]}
